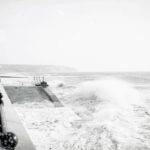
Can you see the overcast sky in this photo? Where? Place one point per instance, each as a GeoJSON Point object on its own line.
{"type": "Point", "coordinates": [90, 35]}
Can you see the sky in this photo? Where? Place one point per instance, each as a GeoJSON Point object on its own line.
{"type": "Point", "coordinates": [89, 35]}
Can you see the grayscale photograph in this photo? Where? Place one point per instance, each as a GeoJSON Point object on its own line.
{"type": "Point", "coordinates": [74, 75]}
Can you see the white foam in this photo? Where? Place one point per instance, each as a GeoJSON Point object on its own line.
{"type": "Point", "coordinates": [111, 90]}
{"type": "Point", "coordinates": [119, 120]}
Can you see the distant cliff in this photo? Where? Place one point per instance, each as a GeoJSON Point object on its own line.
{"type": "Point", "coordinates": [35, 69]}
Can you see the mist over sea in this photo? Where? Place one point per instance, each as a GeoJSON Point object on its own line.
{"type": "Point", "coordinates": [102, 111]}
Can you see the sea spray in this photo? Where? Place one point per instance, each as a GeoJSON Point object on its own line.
{"type": "Point", "coordinates": [108, 118]}
{"type": "Point", "coordinates": [110, 90]}
{"type": "Point", "coordinates": [120, 119]}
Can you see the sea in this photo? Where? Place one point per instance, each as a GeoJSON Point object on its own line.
{"type": "Point", "coordinates": [102, 111]}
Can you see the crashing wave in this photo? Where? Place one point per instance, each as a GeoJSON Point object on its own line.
{"type": "Point", "coordinates": [120, 120]}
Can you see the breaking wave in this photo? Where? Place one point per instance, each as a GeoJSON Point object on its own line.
{"type": "Point", "coordinates": [120, 120]}
{"type": "Point", "coordinates": [110, 90]}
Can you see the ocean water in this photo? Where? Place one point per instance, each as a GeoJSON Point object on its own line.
{"type": "Point", "coordinates": [102, 111]}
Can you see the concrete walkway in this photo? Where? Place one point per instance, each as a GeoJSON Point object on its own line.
{"type": "Point", "coordinates": [13, 124]}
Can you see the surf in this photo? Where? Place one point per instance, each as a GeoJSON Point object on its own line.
{"type": "Point", "coordinates": [119, 120]}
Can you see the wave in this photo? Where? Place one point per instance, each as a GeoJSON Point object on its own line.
{"type": "Point", "coordinates": [120, 120]}
{"type": "Point", "coordinates": [111, 90]}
